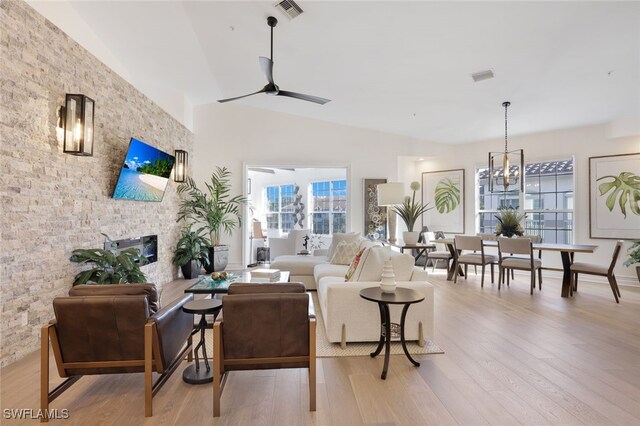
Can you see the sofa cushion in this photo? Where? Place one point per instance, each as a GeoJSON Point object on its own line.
{"type": "Point", "coordinates": [329, 270]}
{"type": "Point", "coordinates": [297, 265]}
{"type": "Point", "coordinates": [345, 252]}
{"type": "Point", "coordinates": [372, 261]}
{"type": "Point", "coordinates": [337, 237]}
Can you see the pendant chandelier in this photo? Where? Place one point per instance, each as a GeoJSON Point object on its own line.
{"type": "Point", "coordinates": [502, 173]}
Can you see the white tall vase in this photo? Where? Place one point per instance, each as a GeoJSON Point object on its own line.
{"type": "Point", "coordinates": [388, 278]}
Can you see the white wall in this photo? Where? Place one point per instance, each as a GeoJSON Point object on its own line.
{"type": "Point", "coordinates": [232, 135]}
{"type": "Point", "coordinates": [581, 143]}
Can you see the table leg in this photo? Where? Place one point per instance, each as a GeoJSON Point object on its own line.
{"type": "Point", "coordinates": [192, 373]}
{"type": "Point", "coordinates": [387, 339]}
{"type": "Point", "coordinates": [381, 343]}
{"type": "Point", "coordinates": [566, 276]}
{"type": "Point", "coordinates": [404, 344]}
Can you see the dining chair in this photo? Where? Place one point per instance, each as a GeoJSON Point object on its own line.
{"type": "Point", "coordinates": [477, 257]}
{"type": "Point", "coordinates": [603, 271]}
{"type": "Point", "coordinates": [535, 239]}
{"type": "Point", "coordinates": [517, 246]}
{"type": "Point", "coordinates": [434, 255]}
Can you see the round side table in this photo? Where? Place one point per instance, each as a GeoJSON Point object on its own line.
{"type": "Point", "coordinates": [192, 374]}
{"type": "Point", "coordinates": [402, 296]}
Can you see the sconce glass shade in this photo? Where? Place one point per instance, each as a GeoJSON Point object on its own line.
{"type": "Point", "coordinates": [78, 112]}
{"type": "Point", "coordinates": [182, 162]}
{"type": "Point", "coordinates": [390, 194]}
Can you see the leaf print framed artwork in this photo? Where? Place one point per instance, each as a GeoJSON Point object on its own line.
{"type": "Point", "coordinates": [444, 190]}
{"type": "Point", "coordinates": [614, 196]}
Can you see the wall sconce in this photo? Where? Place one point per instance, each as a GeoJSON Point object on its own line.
{"type": "Point", "coordinates": [182, 161]}
{"type": "Point", "coordinates": [76, 117]}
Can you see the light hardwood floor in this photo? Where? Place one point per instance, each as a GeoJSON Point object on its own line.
{"type": "Point", "coordinates": [510, 358]}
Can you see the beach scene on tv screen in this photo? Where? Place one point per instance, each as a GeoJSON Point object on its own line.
{"type": "Point", "coordinates": [145, 173]}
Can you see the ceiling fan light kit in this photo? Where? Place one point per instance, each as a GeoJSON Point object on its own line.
{"type": "Point", "coordinates": [272, 88]}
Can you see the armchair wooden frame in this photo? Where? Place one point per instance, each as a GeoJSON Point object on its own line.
{"type": "Point", "coordinates": [151, 362]}
{"type": "Point", "coordinates": [220, 363]}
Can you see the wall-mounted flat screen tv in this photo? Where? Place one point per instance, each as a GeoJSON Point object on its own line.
{"type": "Point", "coordinates": [145, 173]}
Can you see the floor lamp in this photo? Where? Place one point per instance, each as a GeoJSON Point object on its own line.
{"type": "Point", "coordinates": [389, 195]}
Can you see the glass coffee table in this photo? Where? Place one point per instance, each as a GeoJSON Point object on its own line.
{"type": "Point", "coordinates": [207, 285]}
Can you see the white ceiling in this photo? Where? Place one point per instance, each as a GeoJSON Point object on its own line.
{"type": "Point", "coordinates": [398, 67]}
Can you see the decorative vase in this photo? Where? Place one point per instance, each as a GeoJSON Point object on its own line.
{"type": "Point", "coordinates": [191, 270]}
{"type": "Point", "coordinates": [410, 237]}
{"type": "Point", "coordinates": [218, 259]}
{"type": "Point", "coordinates": [388, 278]}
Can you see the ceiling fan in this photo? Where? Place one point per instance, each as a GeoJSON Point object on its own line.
{"type": "Point", "coordinates": [272, 89]}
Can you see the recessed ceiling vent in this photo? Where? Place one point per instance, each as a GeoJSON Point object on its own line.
{"type": "Point", "coordinates": [482, 75]}
{"type": "Point", "coordinates": [289, 8]}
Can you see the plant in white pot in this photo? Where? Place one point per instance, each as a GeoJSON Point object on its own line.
{"type": "Point", "coordinates": [633, 257]}
{"type": "Point", "coordinates": [216, 210]}
{"type": "Point", "coordinates": [410, 211]}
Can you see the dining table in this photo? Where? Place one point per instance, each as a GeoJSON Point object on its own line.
{"type": "Point", "coordinates": [419, 247]}
{"type": "Point", "coordinates": [567, 252]}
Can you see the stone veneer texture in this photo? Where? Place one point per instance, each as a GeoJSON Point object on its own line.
{"type": "Point", "coordinates": [53, 202]}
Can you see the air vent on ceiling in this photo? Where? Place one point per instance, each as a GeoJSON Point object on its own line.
{"type": "Point", "coordinates": [289, 8]}
{"type": "Point", "coordinates": [482, 75]}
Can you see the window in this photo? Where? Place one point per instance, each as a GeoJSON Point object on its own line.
{"type": "Point", "coordinates": [280, 209]}
{"type": "Point", "coordinates": [548, 200]}
{"type": "Point", "coordinates": [329, 207]}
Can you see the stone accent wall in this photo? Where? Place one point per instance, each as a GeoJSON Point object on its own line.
{"type": "Point", "coordinates": [53, 202]}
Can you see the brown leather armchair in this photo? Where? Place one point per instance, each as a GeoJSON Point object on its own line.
{"type": "Point", "coordinates": [264, 326]}
{"type": "Point", "coordinates": [112, 329]}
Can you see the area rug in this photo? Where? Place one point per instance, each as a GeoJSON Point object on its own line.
{"type": "Point", "coordinates": [326, 349]}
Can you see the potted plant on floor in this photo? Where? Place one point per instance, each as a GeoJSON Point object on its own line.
{"type": "Point", "coordinates": [110, 268]}
{"type": "Point", "coordinates": [633, 257]}
{"type": "Point", "coordinates": [216, 210]}
{"type": "Point", "coordinates": [410, 211]}
{"type": "Point", "coordinates": [509, 222]}
{"type": "Point", "coordinates": [192, 252]}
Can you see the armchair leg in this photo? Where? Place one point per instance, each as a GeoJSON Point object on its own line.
{"type": "Point", "coordinates": [217, 368]}
{"type": "Point", "coordinates": [44, 372]}
{"type": "Point", "coordinates": [148, 370]}
{"type": "Point", "coordinates": [312, 365]}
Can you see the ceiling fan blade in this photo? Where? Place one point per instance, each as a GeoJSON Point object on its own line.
{"type": "Point", "coordinates": [267, 68]}
{"type": "Point", "coordinates": [309, 98]}
{"type": "Point", "coordinates": [240, 97]}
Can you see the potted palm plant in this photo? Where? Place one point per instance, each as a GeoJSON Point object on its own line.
{"type": "Point", "coordinates": [216, 210]}
{"type": "Point", "coordinates": [633, 257]}
{"type": "Point", "coordinates": [108, 267]}
{"type": "Point", "coordinates": [192, 252]}
{"type": "Point", "coordinates": [509, 222]}
{"type": "Point", "coordinates": [410, 211]}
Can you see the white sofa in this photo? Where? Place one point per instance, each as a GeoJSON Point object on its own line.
{"type": "Point", "coordinates": [350, 318]}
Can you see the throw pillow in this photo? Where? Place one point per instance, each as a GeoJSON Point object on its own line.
{"type": "Point", "coordinates": [345, 253]}
{"type": "Point", "coordinates": [338, 237]}
{"type": "Point", "coordinates": [403, 264]}
{"type": "Point", "coordinates": [354, 265]}
{"type": "Point", "coordinates": [370, 266]}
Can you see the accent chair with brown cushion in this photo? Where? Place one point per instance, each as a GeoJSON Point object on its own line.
{"type": "Point", "coordinates": [109, 329]}
{"type": "Point", "coordinates": [603, 271]}
{"type": "Point", "coordinates": [476, 258]}
{"type": "Point", "coordinates": [525, 262]}
{"type": "Point", "coordinates": [264, 326]}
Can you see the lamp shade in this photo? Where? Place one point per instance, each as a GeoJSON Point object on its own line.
{"type": "Point", "coordinates": [390, 194]}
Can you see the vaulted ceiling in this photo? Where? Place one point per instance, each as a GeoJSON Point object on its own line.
{"type": "Point", "coordinates": [398, 67]}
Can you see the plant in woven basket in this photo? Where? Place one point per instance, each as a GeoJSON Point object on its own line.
{"type": "Point", "coordinates": [510, 222]}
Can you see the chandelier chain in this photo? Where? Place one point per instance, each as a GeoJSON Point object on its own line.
{"type": "Point", "coordinates": [506, 105]}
